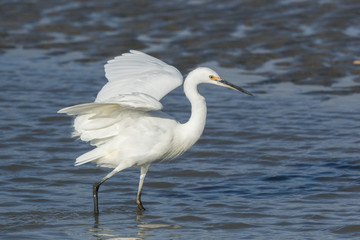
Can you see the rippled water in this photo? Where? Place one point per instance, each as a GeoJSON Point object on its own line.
{"type": "Point", "coordinates": [283, 164]}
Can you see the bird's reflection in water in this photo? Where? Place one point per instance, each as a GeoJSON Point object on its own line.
{"type": "Point", "coordinates": [99, 231]}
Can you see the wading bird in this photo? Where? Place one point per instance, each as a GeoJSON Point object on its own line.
{"type": "Point", "coordinates": [125, 122]}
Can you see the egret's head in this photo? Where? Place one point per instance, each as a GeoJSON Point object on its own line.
{"type": "Point", "coordinates": [207, 75]}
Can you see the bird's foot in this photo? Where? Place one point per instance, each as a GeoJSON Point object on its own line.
{"type": "Point", "coordinates": [140, 206]}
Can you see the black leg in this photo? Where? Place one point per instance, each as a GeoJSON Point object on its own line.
{"type": "Point", "coordinates": [97, 185]}
{"type": "Point", "coordinates": [95, 196]}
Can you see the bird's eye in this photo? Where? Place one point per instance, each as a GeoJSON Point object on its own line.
{"type": "Point", "coordinates": [212, 77]}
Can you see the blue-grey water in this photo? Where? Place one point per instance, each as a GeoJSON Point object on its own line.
{"type": "Point", "coordinates": [284, 164]}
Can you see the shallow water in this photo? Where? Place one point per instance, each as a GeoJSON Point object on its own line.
{"type": "Point", "coordinates": [283, 164]}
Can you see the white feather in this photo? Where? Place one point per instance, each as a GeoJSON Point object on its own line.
{"type": "Point", "coordinates": [117, 122]}
{"type": "Point", "coordinates": [138, 72]}
{"type": "Point", "coordinates": [125, 124]}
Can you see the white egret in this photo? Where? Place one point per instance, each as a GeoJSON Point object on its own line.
{"type": "Point", "coordinates": [125, 122]}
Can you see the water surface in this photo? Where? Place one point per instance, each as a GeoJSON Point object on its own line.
{"type": "Point", "coordinates": [283, 164]}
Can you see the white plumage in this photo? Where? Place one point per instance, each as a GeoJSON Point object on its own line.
{"type": "Point", "coordinates": [125, 123]}
{"type": "Point", "coordinates": [136, 72]}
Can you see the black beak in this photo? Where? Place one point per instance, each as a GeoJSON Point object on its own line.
{"type": "Point", "coordinates": [230, 85]}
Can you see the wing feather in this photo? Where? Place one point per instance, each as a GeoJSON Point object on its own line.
{"type": "Point", "coordinates": [138, 72]}
{"type": "Point", "coordinates": [136, 84]}
{"type": "Point", "coordinates": [136, 101]}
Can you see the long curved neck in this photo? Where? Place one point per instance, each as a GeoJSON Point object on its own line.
{"type": "Point", "coordinates": [194, 127]}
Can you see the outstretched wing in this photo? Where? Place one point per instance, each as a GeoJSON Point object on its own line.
{"type": "Point", "coordinates": [137, 72]}
{"type": "Point", "coordinates": [136, 83]}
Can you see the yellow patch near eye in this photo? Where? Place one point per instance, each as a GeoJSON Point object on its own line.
{"type": "Point", "coordinates": [212, 77]}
